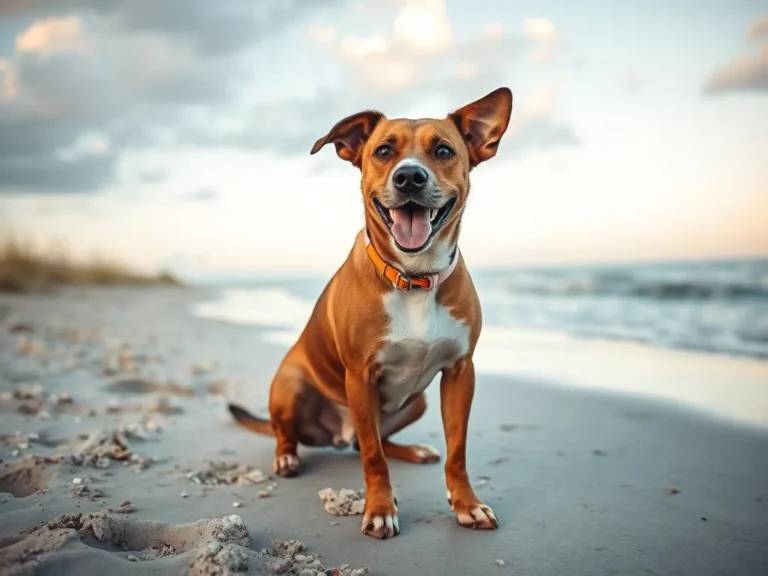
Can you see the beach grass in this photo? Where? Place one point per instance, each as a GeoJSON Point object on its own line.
{"type": "Point", "coordinates": [27, 268]}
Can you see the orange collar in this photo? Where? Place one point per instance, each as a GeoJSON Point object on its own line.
{"type": "Point", "coordinates": [401, 280]}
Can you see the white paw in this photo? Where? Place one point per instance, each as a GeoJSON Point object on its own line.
{"type": "Point", "coordinates": [480, 517]}
{"type": "Point", "coordinates": [286, 465]}
{"type": "Point", "coordinates": [427, 453]}
{"type": "Point", "coordinates": [381, 526]}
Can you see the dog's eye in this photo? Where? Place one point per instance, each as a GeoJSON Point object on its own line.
{"type": "Point", "coordinates": [383, 151]}
{"type": "Point", "coordinates": [444, 151]}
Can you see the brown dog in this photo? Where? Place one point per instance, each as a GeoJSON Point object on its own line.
{"type": "Point", "coordinates": [400, 309]}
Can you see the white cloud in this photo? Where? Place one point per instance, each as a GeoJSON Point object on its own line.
{"type": "Point", "coordinates": [421, 38]}
{"type": "Point", "coordinates": [322, 34]}
{"type": "Point", "coordinates": [544, 36]}
{"type": "Point", "coordinates": [89, 144]}
{"type": "Point", "coordinates": [466, 70]}
{"type": "Point", "coordinates": [421, 33]}
{"type": "Point", "coordinates": [424, 27]}
{"type": "Point", "coordinates": [540, 103]}
{"type": "Point", "coordinates": [358, 49]}
{"type": "Point", "coordinates": [9, 80]}
{"type": "Point", "coordinates": [539, 29]}
{"type": "Point", "coordinates": [52, 35]}
{"type": "Point", "coordinates": [493, 32]}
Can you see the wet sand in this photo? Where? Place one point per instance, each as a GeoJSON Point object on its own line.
{"type": "Point", "coordinates": [115, 396]}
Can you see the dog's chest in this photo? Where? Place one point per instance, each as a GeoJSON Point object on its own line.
{"type": "Point", "coordinates": [422, 339]}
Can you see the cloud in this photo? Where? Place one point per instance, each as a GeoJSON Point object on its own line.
{"type": "Point", "coordinates": [746, 73]}
{"type": "Point", "coordinates": [322, 34]}
{"type": "Point", "coordinates": [758, 30]}
{"type": "Point", "coordinates": [420, 61]}
{"type": "Point", "coordinates": [212, 28]}
{"type": "Point", "coordinates": [86, 174]}
{"type": "Point", "coordinates": [153, 176]}
{"type": "Point", "coordinates": [202, 195]}
{"type": "Point", "coordinates": [129, 70]}
{"type": "Point", "coordinates": [9, 80]}
{"type": "Point", "coordinates": [90, 81]}
{"type": "Point", "coordinates": [543, 33]}
{"type": "Point", "coordinates": [53, 35]}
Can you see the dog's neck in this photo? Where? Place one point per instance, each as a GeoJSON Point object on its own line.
{"type": "Point", "coordinates": [433, 261]}
{"type": "Point", "coordinates": [429, 270]}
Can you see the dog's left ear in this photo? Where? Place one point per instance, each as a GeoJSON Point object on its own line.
{"type": "Point", "coordinates": [350, 135]}
{"type": "Point", "coordinates": [483, 122]}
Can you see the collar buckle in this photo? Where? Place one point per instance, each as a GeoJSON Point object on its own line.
{"type": "Point", "coordinates": [400, 276]}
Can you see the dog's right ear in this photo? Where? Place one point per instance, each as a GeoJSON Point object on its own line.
{"type": "Point", "coordinates": [350, 135]}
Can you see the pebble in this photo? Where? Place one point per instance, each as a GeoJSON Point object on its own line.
{"type": "Point", "coordinates": [264, 494]}
{"type": "Point", "coordinates": [183, 494]}
{"type": "Point", "coordinates": [236, 504]}
{"type": "Point", "coordinates": [500, 562]}
{"type": "Point", "coordinates": [132, 558]}
{"type": "Point", "coordinates": [77, 480]}
{"type": "Point", "coordinates": [23, 446]}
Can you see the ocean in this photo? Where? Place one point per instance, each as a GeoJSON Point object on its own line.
{"type": "Point", "coordinates": [717, 307]}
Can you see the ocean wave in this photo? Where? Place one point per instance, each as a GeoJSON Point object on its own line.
{"type": "Point", "coordinates": [712, 308]}
{"type": "Point", "coordinates": [656, 289]}
{"type": "Point", "coordinates": [708, 281]}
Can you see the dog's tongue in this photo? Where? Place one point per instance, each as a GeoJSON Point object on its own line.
{"type": "Point", "coordinates": [411, 226]}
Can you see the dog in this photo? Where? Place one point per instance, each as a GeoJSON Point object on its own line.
{"type": "Point", "coordinates": [400, 309]}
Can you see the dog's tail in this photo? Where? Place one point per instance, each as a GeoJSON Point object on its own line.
{"type": "Point", "coordinates": [249, 421]}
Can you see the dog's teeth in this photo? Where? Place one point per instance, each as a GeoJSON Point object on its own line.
{"type": "Point", "coordinates": [432, 214]}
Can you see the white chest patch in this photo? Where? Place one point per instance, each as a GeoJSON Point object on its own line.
{"type": "Point", "coordinates": [423, 338]}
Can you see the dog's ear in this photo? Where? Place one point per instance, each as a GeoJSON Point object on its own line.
{"type": "Point", "coordinates": [350, 135]}
{"type": "Point", "coordinates": [483, 122]}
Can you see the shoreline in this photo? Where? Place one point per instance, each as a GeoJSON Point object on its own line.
{"type": "Point", "coordinates": [584, 481]}
{"type": "Point", "coordinates": [638, 369]}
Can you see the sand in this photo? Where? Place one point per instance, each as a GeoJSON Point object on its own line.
{"type": "Point", "coordinates": [118, 456]}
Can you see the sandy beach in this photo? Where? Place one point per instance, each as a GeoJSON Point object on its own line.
{"type": "Point", "coordinates": [598, 457]}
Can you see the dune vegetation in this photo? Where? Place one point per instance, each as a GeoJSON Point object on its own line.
{"type": "Point", "coordinates": [26, 268]}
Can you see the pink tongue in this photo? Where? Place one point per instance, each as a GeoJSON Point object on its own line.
{"type": "Point", "coordinates": [411, 227]}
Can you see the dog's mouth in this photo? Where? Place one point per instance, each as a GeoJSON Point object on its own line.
{"type": "Point", "coordinates": [412, 225]}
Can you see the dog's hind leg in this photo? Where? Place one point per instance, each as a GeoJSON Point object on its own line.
{"type": "Point", "coordinates": [285, 393]}
{"type": "Point", "coordinates": [392, 423]}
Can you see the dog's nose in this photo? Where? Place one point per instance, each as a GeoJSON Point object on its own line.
{"type": "Point", "coordinates": [410, 179]}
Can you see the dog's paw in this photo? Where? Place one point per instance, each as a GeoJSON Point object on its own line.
{"type": "Point", "coordinates": [477, 516]}
{"type": "Point", "coordinates": [414, 453]}
{"type": "Point", "coordinates": [473, 514]}
{"type": "Point", "coordinates": [286, 465]}
{"type": "Point", "coordinates": [426, 454]}
{"type": "Point", "coordinates": [381, 522]}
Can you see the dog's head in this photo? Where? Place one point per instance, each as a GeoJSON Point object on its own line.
{"type": "Point", "coordinates": [415, 173]}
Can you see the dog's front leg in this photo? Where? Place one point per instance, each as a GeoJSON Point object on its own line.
{"type": "Point", "coordinates": [457, 387]}
{"type": "Point", "coordinates": [380, 519]}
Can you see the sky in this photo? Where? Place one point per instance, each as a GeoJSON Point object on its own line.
{"type": "Point", "coordinates": [176, 135]}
